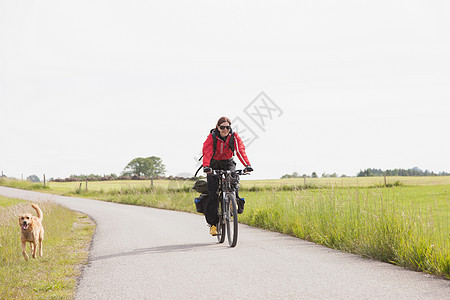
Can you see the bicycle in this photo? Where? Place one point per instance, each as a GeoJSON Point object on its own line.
{"type": "Point", "coordinates": [227, 206]}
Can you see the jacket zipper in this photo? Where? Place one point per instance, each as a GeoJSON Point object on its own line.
{"type": "Point", "coordinates": [222, 143]}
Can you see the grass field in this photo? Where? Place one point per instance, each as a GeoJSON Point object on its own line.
{"type": "Point", "coordinates": [61, 187]}
{"type": "Point", "coordinates": [406, 223]}
{"type": "Point", "coordinates": [352, 181]}
{"type": "Point", "coordinates": [53, 276]}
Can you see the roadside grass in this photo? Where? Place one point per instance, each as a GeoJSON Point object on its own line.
{"type": "Point", "coordinates": [60, 187]}
{"type": "Point", "coordinates": [4, 202]}
{"type": "Point", "coordinates": [22, 184]}
{"type": "Point", "coordinates": [53, 276]}
{"type": "Point", "coordinates": [375, 223]}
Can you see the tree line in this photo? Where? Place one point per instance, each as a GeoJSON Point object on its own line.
{"type": "Point", "coordinates": [142, 168]}
{"type": "Point", "coordinates": [373, 172]}
{"type": "Point", "coordinates": [313, 175]}
{"type": "Point", "coordinates": [400, 172]}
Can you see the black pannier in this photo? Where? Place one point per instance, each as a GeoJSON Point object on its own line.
{"type": "Point", "coordinates": [240, 203]}
{"type": "Point", "coordinates": [201, 202]}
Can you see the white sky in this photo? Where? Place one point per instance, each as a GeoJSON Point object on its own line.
{"type": "Point", "coordinates": [86, 86]}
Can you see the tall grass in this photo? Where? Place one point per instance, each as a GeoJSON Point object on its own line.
{"type": "Point", "coordinates": [22, 184]}
{"type": "Point", "coordinates": [361, 221]}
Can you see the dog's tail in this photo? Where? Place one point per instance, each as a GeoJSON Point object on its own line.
{"type": "Point", "coordinates": [38, 211]}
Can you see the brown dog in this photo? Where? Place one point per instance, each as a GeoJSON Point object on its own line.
{"type": "Point", "coordinates": [32, 231]}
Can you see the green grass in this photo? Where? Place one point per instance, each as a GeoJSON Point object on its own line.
{"type": "Point", "coordinates": [61, 187]}
{"type": "Point", "coordinates": [22, 184]}
{"type": "Point", "coordinates": [4, 202]}
{"type": "Point", "coordinates": [256, 185]}
{"type": "Point", "coordinates": [351, 181]}
{"type": "Point", "coordinates": [53, 276]}
{"type": "Point", "coordinates": [407, 226]}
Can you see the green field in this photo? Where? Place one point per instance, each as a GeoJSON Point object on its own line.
{"type": "Point", "coordinates": [245, 183]}
{"type": "Point", "coordinates": [353, 181]}
{"type": "Point", "coordinates": [406, 223]}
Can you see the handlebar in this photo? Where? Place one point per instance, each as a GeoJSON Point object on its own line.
{"type": "Point", "coordinates": [238, 172]}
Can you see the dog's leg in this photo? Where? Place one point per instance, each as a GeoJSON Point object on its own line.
{"type": "Point", "coordinates": [34, 248]}
{"type": "Point", "coordinates": [40, 248]}
{"type": "Point", "coordinates": [24, 253]}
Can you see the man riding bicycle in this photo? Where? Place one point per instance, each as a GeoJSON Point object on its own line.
{"type": "Point", "coordinates": [218, 151]}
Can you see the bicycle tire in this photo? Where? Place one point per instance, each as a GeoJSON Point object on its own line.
{"type": "Point", "coordinates": [220, 225]}
{"type": "Point", "coordinates": [232, 220]}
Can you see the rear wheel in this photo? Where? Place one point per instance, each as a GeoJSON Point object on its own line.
{"type": "Point", "coordinates": [221, 223]}
{"type": "Point", "coordinates": [232, 220]}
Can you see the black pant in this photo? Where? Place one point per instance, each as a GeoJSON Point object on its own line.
{"type": "Point", "coordinates": [213, 189]}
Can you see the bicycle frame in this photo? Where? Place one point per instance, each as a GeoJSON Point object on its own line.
{"type": "Point", "coordinates": [227, 205]}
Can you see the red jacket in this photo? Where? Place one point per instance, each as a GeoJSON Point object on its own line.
{"type": "Point", "coordinates": [223, 150]}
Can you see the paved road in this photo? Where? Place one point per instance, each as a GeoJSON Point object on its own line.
{"type": "Point", "coordinates": [146, 253]}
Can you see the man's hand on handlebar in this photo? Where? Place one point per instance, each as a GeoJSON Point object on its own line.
{"type": "Point", "coordinates": [248, 169]}
{"type": "Point", "coordinates": [207, 170]}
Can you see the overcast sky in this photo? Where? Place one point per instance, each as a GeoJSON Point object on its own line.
{"type": "Point", "coordinates": [313, 86]}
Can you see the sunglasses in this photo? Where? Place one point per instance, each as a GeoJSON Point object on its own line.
{"type": "Point", "coordinates": [224, 127]}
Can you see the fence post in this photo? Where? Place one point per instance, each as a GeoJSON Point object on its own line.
{"type": "Point", "coordinates": [304, 180]}
{"type": "Point", "coordinates": [44, 179]}
{"type": "Point", "coordinates": [86, 185]}
{"type": "Point", "coordinates": [385, 180]}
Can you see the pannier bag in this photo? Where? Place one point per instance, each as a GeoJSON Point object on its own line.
{"type": "Point", "coordinates": [240, 203]}
{"type": "Point", "coordinates": [201, 202]}
{"type": "Point", "coordinates": [201, 186]}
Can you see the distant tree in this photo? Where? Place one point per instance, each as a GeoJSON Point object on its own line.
{"type": "Point", "coordinates": [149, 166]}
{"type": "Point", "coordinates": [314, 175]}
{"type": "Point", "coordinates": [293, 175]}
{"type": "Point", "coordinates": [33, 178]}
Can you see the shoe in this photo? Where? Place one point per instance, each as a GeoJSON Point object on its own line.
{"type": "Point", "coordinates": [213, 230]}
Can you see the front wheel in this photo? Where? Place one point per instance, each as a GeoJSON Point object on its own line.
{"type": "Point", "coordinates": [232, 220]}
